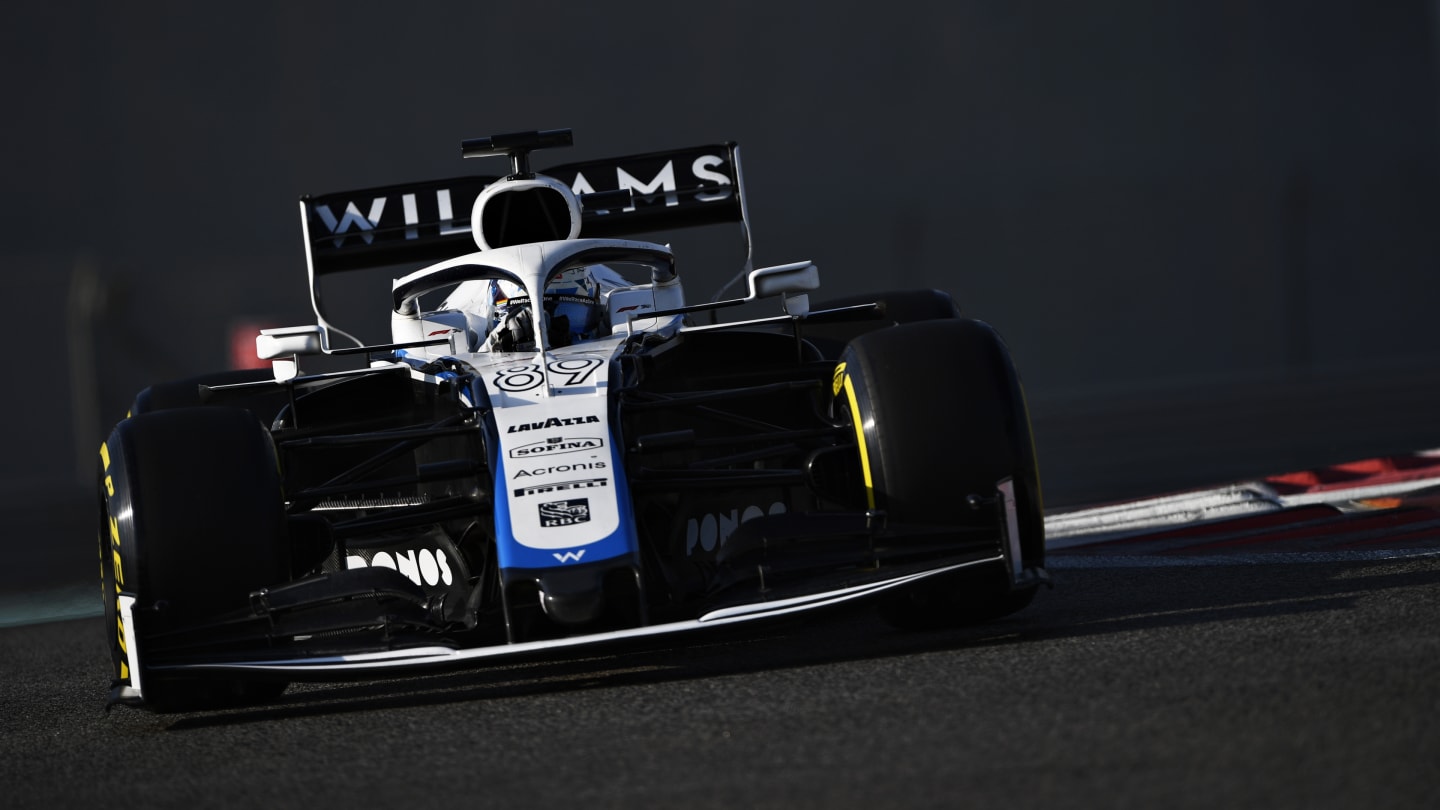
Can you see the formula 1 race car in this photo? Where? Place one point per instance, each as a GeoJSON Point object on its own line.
{"type": "Point", "coordinates": [555, 450]}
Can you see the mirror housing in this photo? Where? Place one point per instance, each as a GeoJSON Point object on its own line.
{"type": "Point", "coordinates": [783, 279]}
{"type": "Point", "coordinates": [791, 281]}
{"type": "Point", "coordinates": [281, 347]}
{"type": "Point", "coordinates": [288, 341]}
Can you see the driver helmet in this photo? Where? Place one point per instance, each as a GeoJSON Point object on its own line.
{"type": "Point", "coordinates": [571, 311]}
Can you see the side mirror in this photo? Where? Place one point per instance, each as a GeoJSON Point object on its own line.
{"type": "Point", "coordinates": [792, 281]}
{"type": "Point", "coordinates": [783, 279]}
{"type": "Point", "coordinates": [287, 341]}
{"type": "Point", "coordinates": [281, 346]}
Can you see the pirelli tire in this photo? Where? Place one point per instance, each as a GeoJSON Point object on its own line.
{"type": "Point", "coordinates": [940, 414]}
{"type": "Point", "coordinates": [192, 521]}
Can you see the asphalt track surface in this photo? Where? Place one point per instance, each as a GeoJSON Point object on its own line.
{"type": "Point", "coordinates": [1273, 680]}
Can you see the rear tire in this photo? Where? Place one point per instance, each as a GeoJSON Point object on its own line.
{"type": "Point", "coordinates": [942, 415]}
{"type": "Point", "coordinates": [192, 521]}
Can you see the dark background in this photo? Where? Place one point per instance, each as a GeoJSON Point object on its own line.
{"type": "Point", "coordinates": [1207, 229]}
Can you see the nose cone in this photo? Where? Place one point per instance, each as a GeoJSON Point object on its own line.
{"type": "Point", "coordinates": [573, 608]}
{"type": "Point", "coordinates": [573, 595]}
{"type": "Point", "coordinates": [605, 594]}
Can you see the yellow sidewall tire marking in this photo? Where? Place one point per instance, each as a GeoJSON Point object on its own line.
{"type": "Point", "coordinates": [842, 380]}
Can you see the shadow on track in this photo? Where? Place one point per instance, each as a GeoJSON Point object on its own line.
{"type": "Point", "coordinates": [1084, 603]}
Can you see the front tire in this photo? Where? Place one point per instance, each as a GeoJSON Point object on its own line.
{"type": "Point", "coordinates": [192, 521]}
{"type": "Point", "coordinates": [940, 415]}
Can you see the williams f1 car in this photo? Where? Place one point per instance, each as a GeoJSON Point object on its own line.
{"type": "Point", "coordinates": [556, 450]}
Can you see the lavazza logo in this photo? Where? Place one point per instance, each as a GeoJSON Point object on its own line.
{"type": "Point", "coordinates": [553, 422]}
{"type": "Point", "coordinates": [556, 446]}
{"type": "Point", "coordinates": [565, 513]}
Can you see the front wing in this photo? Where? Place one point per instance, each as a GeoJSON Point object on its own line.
{"type": "Point", "coordinates": [443, 657]}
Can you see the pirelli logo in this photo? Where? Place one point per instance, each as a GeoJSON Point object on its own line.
{"type": "Point", "coordinates": [589, 483]}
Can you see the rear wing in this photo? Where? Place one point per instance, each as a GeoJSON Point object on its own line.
{"type": "Point", "coordinates": [430, 221]}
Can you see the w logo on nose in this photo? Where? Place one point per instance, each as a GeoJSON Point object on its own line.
{"type": "Point", "coordinates": [569, 556]}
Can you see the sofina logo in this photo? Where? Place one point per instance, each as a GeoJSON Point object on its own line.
{"type": "Point", "coordinates": [556, 447]}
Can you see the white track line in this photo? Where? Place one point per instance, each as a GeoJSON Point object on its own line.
{"type": "Point", "coordinates": [1098, 524]}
